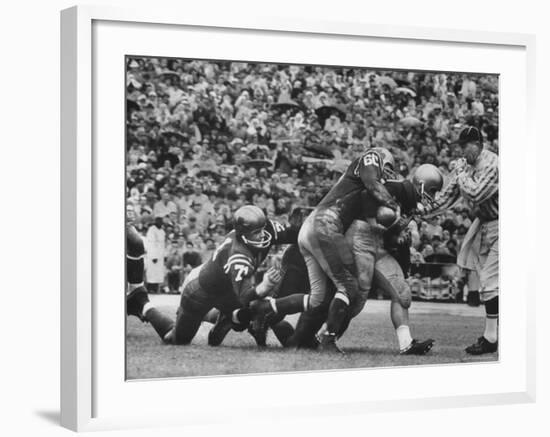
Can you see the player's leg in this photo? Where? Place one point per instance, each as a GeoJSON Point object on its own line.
{"type": "Point", "coordinates": [136, 296]}
{"type": "Point", "coordinates": [289, 297]}
{"type": "Point", "coordinates": [195, 303]}
{"type": "Point", "coordinates": [388, 276]}
{"type": "Point", "coordinates": [364, 240]}
{"type": "Point", "coordinates": [231, 316]}
{"type": "Point", "coordinates": [137, 299]}
{"type": "Point", "coordinates": [336, 258]}
{"type": "Point", "coordinates": [292, 292]}
{"type": "Point", "coordinates": [283, 331]}
{"type": "Point", "coordinates": [315, 304]}
{"type": "Point", "coordinates": [307, 326]}
{"type": "Point", "coordinates": [488, 278]}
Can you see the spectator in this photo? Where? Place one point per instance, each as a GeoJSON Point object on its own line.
{"type": "Point", "coordinates": [164, 206]}
{"type": "Point", "coordinates": [174, 267]}
{"type": "Point", "coordinates": [190, 133]}
{"type": "Point", "coordinates": [191, 258]}
{"type": "Point", "coordinates": [154, 255]}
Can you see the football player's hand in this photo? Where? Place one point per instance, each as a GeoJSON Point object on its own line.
{"type": "Point", "coordinates": [272, 276]}
{"type": "Point", "coordinates": [404, 238]}
{"type": "Point", "coordinates": [270, 280]}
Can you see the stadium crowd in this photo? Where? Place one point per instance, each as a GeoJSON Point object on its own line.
{"type": "Point", "coordinates": [204, 138]}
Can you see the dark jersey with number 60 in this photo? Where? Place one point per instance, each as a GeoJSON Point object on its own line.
{"type": "Point", "coordinates": [364, 173]}
{"type": "Point", "coordinates": [233, 264]}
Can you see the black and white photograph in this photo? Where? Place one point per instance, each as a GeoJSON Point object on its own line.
{"type": "Point", "coordinates": [288, 218]}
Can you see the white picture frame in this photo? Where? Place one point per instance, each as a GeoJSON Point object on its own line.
{"type": "Point", "coordinates": [81, 201]}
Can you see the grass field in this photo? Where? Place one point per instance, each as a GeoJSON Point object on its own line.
{"type": "Point", "coordinates": [369, 342]}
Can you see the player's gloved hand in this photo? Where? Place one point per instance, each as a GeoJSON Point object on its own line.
{"type": "Point", "coordinates": [271, 278]}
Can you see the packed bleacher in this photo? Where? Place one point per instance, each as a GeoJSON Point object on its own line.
{"type": "Point", "coordinates": [204, 138]}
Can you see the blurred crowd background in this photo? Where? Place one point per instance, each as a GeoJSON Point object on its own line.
{"type": "Point", "coordinates": [204, 138]}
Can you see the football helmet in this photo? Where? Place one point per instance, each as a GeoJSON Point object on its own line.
{"type": "Point", "coordinates": [388, 162]}
{"type": "Point", "coordinates": [427, 181]}
{"type": "Point", "coordinates": [249, 222]}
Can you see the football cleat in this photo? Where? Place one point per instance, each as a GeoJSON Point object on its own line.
{"type": "Point", "coordinates": [327, 343]}
{"type": "Point", "coordinates": [220, 330]}
{"type": "Point", "coordinates": [482, 346]}
{"type": "Point", "coordinates": [418, 347]}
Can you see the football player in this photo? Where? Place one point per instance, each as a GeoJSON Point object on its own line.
{"type": "Point", "coordinates": [374, 241]}
{"type": "Point", "coordinates": [475, 179]}
{"type": "Point", "coordinates": [381, 247]}
{"type": "Point", "coordinates": [324, 247]}
{"type": "Point", "coordinates": [289, 295]}
{"type": "Point", "coordinates": [137, 299]}
{"type": "Point", "coordinates": [225, 281]}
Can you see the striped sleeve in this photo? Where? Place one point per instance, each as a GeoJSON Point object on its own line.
{"type": "Point", "coordinates": [447, 197]}
{"type": "Point", "coordinates": [484, 183]}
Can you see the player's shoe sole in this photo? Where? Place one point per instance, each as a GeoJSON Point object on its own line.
{"type": "Point", "coordinates": [418, 347]}
{"type": "Point", "coordinates": [482, 346]}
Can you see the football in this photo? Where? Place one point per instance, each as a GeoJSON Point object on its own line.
{"type": "Point", "coordinates": [386, 216]}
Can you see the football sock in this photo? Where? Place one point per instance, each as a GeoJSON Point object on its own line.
{"type": "Point", "coordinates": [161, 323]}
{"type": "Point", "coordinates": [290, 304]}
{"type": "Point", "coordinates": [403, 336]}
{"type": "Point", "coordinates": [491, 321]}
{"type": "Point", "coordinates": [283, 331]}
{"type": "Point", "coordinates": [307, 326]}
{"type": "Point", "coordinates": [135, 269]}
{"type": "Point", "coordinates": [337, 313]}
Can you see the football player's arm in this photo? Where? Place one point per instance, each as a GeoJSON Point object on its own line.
{"type": "Point", "coordinates": [483, 185]}
{"type": "Point", "coordinates": [243, 283]}
{"type": "Point", "coordinates": [370, 177]}
{"type": "Point", "coordinates": [445, 198]}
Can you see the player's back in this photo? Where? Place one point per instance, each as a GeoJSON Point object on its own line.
{"type": "Point", "coordinates": [345, 196]}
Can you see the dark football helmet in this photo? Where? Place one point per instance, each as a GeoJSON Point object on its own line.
{"type": "Point", "coordinates": [427, 180]}
{"type": "Point", "coordinates": [249, 222]}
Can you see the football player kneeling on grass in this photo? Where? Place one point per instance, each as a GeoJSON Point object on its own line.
{"type": "Point", "coordinates": [225, 282]}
